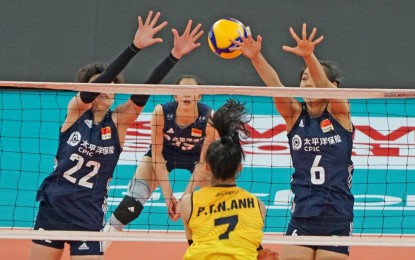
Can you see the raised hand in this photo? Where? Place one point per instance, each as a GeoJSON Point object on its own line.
{"type": "Point", "coordinates": [187, 42]}
{"type": "Point", "coordinates": [305, 47]}
{"type": "Point", "coordinates": [144, 36]}
{"type": "Point", "coordinates": [248, 47]}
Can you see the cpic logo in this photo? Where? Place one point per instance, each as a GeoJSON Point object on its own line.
{"type": "Point", "coordinates": [297, 143]}
{"type": "Point", "coordinates": [74, 139]}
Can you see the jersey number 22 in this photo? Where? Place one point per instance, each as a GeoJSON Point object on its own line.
{"type": "Point", "coordinates": [84, 180]}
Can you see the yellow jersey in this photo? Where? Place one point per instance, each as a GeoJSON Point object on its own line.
{"type": "Point", "coordinates": [226, 223]}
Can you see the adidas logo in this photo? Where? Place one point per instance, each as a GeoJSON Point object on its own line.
{"type": "Point", "coordinates": [131, 209]}
{"type": "Point", "coordinates": [301, 123]}
{"type": "Point", "coordinates": [83, 247]}
{"type": "Point", "coordinates": [88, 123]}
{"type": "Point", "coordinates": [170, 131]}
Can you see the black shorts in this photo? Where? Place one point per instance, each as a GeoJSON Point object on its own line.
{"type": "Point", "coordinates": [177, 162]}
{"type": "Point", "coordinates": [46, 220]}
{"type": "Point", "coordinates": [321, 227]}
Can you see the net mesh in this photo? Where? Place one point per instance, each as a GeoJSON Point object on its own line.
{"type": "Point", "coordinates": [31, 114]}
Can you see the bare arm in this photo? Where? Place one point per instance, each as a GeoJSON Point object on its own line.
{"type": "Point", "coordinates": [126, 113]}
{"type": "Point", "coordinates": [186, 209]}
{"type": "Point", "coordinates": [200, 176]}
{"type": "Point", "coordinates": [339, 108]}
{"type": "Point", "coordinates": [144, 37]}
{"type": "Point", "coordinates": [76, 107]}
{"type": "Point", "coordinates": [159, 162]}
{"type": "Point", "coordinates": [289, 108]}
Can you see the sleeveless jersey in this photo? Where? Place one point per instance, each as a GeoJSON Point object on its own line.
{"type": "Point", "coordinates": [86, 158]}
{"type": "Point", "coordinates": [184, 145]}
{"type": "Point", "coordinates": [225, 221]}
{"type": "Point", "coordinates": [321, 151]}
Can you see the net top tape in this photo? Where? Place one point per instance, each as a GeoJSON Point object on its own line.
{"type": "Point", "coordinates": [161, 89]}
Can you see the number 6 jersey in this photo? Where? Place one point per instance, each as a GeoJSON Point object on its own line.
{"type": "Point", "coordinates": [321, 151]}
{"type": "Point", "coordinates": [86, 158]}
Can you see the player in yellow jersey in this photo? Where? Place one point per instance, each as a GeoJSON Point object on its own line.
{"type": "Point", "coordinates": [224, 221]}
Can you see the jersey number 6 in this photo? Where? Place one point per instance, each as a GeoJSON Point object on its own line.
{"type": "Point", "coordinates": [318, 174]}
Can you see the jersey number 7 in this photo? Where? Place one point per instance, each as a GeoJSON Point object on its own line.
{"type": "Point", "coordinates": [231, 220]}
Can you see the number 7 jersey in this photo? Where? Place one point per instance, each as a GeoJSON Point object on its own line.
{"type": "Point", "coordinates": [225, 221]}
{"type": "Point", "coordinates": [321, 151]}
{"type": "Point", "coordinates": [84, 164]}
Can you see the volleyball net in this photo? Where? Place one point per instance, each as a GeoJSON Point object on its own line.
{"type": "Point", "coordinates": [31, 114]}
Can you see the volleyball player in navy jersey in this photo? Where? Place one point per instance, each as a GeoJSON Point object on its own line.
{"type": "Point", "coordinates": [180, 136]}
{"type": "Point", "coordinates": [320, 133]}
{"type": "Point", "coordinates": [74, 196]}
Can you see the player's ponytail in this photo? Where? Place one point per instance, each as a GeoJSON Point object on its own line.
{"type": "Point", "coordinates": [225, 155]}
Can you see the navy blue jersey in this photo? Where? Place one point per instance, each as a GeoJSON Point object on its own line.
{"type": "Point", "coordinates": [321, 151]}
{"type": "Point", "coordinates": [77, 189]}
{"type": "Point", "coordinates": [182, 146]}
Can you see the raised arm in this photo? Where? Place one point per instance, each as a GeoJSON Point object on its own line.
{"type": "Point", "coordinates": [339, 108]}
{"type": "Point", "coordinates": [143, 38]}
{"type": "Point", "coordinates": [183, 44]}
{"type": "Point", "coordinates": [250, 48]}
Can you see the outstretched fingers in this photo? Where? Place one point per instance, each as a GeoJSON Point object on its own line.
{"type": "Point", "coordinates": [304, 31]}
{"type": "Point", "coordinates": [239, 43]}
{"type": "Point", "coordinates": [160, 26]}
{"type": "Point", "coordinates": [305, 45]}
{"type": "Point", "coordinates": [196, 31]}
{"type": "Point", "coordinates": [294, 35]}
{"type": "Point", "coordinates": [288, 49]}
{"type": "Point", "coordinates": [149, 17]}
{"type": "Point", "coordinates": [145, 35]}
{"type": "Point", "coordinates": [188, 27]}
{"type": "Point", "coordinates": [312, 35]}
{"type": "Point", "coordinates": [140, 22]}
{"type": "Point", "coordinates": [187, 42]}
{"type": "Point", "coordinates": [155, 19]}
{"type": "Point", "coordinates": [320, 39]}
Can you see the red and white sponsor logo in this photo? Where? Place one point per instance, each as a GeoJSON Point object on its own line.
{"type": "Point", "coordinates": [379, 142]}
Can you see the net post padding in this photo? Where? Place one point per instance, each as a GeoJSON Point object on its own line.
{"type": "Point", "coordinates": [350, 93]}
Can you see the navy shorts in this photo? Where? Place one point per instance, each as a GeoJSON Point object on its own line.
{"type": "Point", "coordinates": [47, 220]}
{"type": "Point", "coordinates": [320, 226]}
{"type": "Point", "coordinates": [177, 162]}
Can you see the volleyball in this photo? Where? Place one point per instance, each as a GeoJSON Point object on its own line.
{"type": "Point", "coordinates": [220, 35]}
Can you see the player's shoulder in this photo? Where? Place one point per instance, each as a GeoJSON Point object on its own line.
{"type": "Point", "coordinates": [204, 105]}
{"type": "Point", "coordinates": [158, 109]}
{"type": "Point", "coordinates": [168, 106]}
{"type": "Point", "coordinates": [204, 109]}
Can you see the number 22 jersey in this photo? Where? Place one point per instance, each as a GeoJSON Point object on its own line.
{"type": "Point", "coordinates": [87, 155]}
